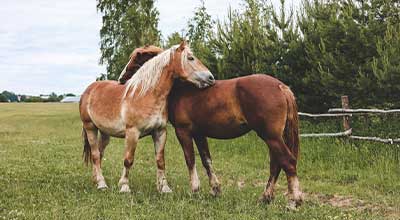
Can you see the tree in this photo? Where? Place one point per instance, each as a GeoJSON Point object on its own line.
{"type": "Point", "coordinates": [10, 96]}
{"type": "Point", "coordinates": [173, 39]}
{"type": "Point", "coordinates": [3, 98]}
{"type": "Point", "coordinates": [241, 41]}
{"type": "Point", "coordinates": [102, 77]}
{"type": "Point", "coordinates": [386, 70]}
{"type": "Point", "coordinates": [34, 99]}
{"type": "Point", "coordinates": [200, 31]}
{"type": "Point", "coordinates": [53, 98]}
{"type": "Point", "coordinates": [127, 24]}
{"type": "Point", "coordinates": [285, 54]}
{"type": "Point", "coordinates": [340, 41]}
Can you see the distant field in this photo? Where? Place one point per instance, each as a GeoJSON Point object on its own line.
{"type": "Point", "coordinates": [42, 176]}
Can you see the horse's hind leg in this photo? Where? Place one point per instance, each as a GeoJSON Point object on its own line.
{"type": "Point", "coordinates": [287, 161]}
{"type": "Point", "coordinates": [159, 139]}
{"type": "Point", "coordinates": [275, 169]}
{"type": "Point", "coordinates": [185, 139]}
{"type": "Point", "coordinates": [103, 142]}
{"type": "Point", "coordinates": [202, 146]}
{"type": "Point", "coordinates": [98, 178]}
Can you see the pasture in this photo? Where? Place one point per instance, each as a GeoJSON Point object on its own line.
{"type": "Point", "coordinates": [42, 175]}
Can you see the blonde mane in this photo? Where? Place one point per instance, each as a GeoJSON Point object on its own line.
{"type": "Point", "coordinates": [147, 77]}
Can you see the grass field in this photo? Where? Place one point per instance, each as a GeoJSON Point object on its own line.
{"type": "Point", "coordinates": [42, 176]}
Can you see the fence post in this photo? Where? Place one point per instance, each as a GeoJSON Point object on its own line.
{"type": "Point", "coordinates": [346, 119]}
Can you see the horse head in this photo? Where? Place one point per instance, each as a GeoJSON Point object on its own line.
{"type": "Point", "coordinates": [137, 58]}
{"type": "Point", "coordinates": [188, 68]}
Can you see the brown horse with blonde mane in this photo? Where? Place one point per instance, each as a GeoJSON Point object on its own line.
{"type": "Point", "coordinates": [230, 109]}
{"type": "Point", "coordinates": [136, 109]}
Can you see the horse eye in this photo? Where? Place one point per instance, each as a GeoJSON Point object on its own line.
{"type": "Point", "coordinates": [191, 58]}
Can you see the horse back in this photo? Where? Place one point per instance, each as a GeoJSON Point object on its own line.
{"type": "Point", "coordinates": [231, 107]}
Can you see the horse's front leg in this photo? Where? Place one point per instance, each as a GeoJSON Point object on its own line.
{"type": "Point", "coordinates": [185, 139]}
{"type": "Point", "coordinates": [131, 139]}
{"type": "Point", "coordinates": [159, 139]}
{"type": "Point", "coordinates": [202, 146]}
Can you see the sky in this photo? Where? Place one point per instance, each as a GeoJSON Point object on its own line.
{"type": "Point", "coordinates": [53, 45]}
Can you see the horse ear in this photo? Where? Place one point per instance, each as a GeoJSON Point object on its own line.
{"type": "Point", "coordinates": [182, 45]}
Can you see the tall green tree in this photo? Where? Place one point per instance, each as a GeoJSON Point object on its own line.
{"type": "Point", "coordinates": [340, 40]}
{"type": "Point", "coordinates": [10, 96]}
{"type": "Point", "coordinates": [199, 33]}
{"type": "Point", "coordinates": [127, 24]}
{"type": "Point", "coordinates": [3, 98]}
{"type": "Point", "coordinates": [385, 80]}
{"type": "Point", "coordinates": [242, 41]}
{"type": "Point", "coordinates": [285, 59]}
{"type": "Point", "coordinates": [173, 39]}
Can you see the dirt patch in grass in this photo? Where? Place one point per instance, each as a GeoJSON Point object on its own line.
{"type": "Point", "coordinates": [354, 204]}
{"type": "Point", "coordinates": [346, 203]}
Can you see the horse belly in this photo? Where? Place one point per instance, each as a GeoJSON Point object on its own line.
{"type": "Point", "coordinates": [115, 128]}
{"type": "Point", "coordinates": [225, 129]}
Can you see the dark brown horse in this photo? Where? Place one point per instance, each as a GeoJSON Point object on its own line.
{"type": "Point", "coordinates": [230, 109]}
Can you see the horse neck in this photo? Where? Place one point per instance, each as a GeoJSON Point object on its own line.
{"type": "Point", "coordinates": [164, 86]}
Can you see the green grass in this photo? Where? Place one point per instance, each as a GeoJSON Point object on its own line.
{"type": "Point", "coordinates": [42, 175]}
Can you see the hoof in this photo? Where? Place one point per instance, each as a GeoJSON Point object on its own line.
{"type": "Point", "coordinates": [165, 189]}
{"type": "Point", "coordinates": [102, 186]}
{"type": "Point", "coordinates": [215, 191]}
{"type": "Point", "coordinates": [195, 188]}
{"type": "Point", "coordinates": [295, 200]}
{"type": "Point", "coordinates": [293, 205]}
{"type": "Point", "coordinates": [267, 199]}
{"type": "Point", "coordinates": [125, 188]}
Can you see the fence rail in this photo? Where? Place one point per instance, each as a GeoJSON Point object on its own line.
{"type": "Point", "coordinates": [342, 110]}
{"type": "Point", "coordinates": [323, 115]}
{"type": "Point", "coordinates": [339, 134]}
{"type": "Point", "coordinates": [377, 139]}
{"type": "Point", "coordinates": [346, 113]}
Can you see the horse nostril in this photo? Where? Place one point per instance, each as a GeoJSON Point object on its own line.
{"type": "Point", "coordinates": [211, 78]}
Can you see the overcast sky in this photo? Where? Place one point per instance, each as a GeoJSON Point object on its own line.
{"type": "Point", "coordinates": [53, 45]}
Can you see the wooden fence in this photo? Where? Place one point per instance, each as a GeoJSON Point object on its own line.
{"type": "Point", "coordinates": [346, 113]}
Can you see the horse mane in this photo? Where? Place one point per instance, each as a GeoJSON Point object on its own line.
{"type": "Point", "coordinates": [149, 74]}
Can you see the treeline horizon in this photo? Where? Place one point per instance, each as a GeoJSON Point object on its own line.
{"type": "Point", "coordinates": [7, 96]}
{"type": "Point", "coordinates": [323, 50]}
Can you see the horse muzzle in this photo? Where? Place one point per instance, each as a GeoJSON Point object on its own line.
{"type": "Point", "coordinates": [203, 79]}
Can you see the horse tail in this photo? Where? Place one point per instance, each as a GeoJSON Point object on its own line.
{"type": "Point", "coordinates": [291, 131]}
{"type": "Point", "coordinates": [87, 152]}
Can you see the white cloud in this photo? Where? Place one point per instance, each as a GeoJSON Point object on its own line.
{"type": "Point", "coordinates": [48, 46]}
